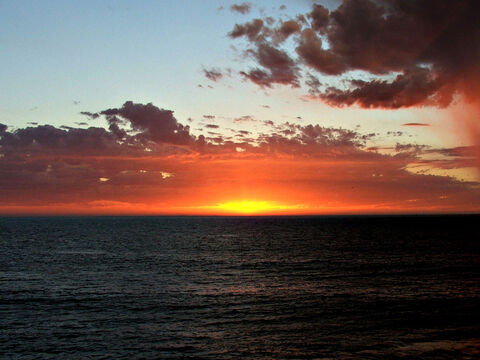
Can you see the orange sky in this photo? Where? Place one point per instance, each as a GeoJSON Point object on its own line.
{"type": "Point", "coordinates": [301, 109]}
{"type": "Point", "coordinates": [346, 180]}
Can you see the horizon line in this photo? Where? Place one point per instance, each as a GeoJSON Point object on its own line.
{"type": "Point", "coordinates": [403, 214]}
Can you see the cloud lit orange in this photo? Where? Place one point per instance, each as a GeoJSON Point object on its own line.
{"type": "Point", "coordinates": [139, 158]}
{"type": "Point", "coordinates": [306, 170]}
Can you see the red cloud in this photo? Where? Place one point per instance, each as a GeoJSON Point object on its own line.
{"type": "Point", "coordinates": [250, 29]}
{"type": "Point", "coordinates": [416, 124]}
{"type": "Point", "coordinates": [243, 8]}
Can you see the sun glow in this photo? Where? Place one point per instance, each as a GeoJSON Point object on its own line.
{"type": "Point", "coordinates": [253, 207]}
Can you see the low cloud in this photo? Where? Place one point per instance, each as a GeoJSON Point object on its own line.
{"type": "Point", "coordinates": [151, 123]}
{"type": "Point", "coordinates": [46, 167]}
{"type": "Point", "coordinates": [415, 124]}
{"type": "Point", "coordinates": [245, 118]}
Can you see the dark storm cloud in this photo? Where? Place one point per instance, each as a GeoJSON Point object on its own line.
{"type": "Point", "coordinates": [431, 49]}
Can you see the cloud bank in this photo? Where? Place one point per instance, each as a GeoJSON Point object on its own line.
{"type": "Point", "coordinates": [123, 168]}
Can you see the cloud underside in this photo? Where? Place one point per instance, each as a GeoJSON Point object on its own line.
{"type": "Point", "coordinates": [147, 157]}
{"type": "Point", "coordinates": [410, 52]}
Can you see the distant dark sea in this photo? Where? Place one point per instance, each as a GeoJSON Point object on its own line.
{"type": "Point", "coordinates": [404, 287]}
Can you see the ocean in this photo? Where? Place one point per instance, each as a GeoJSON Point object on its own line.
{"type": "Point", "coordinates": [335, 287]}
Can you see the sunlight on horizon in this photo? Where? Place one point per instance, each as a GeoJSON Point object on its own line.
{"type": "Point", "coordinates": [253, 207]}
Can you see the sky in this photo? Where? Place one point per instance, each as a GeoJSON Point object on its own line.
{"type": "Point", "coordinates": [250, 108]}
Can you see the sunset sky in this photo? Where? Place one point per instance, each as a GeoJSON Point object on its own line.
{"type": "Point", "coordinates": [221, 107]}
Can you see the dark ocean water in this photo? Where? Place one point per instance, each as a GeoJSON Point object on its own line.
{"type": "Point", "coordinates": [246, 288]}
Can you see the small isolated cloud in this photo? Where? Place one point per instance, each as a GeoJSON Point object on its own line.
{"type": "Point", "coordinates": [243, 8]}
{"type": "Point", "coordinates": [89, 114]}
{"type": "Point", "coordinates": [166, 175]}
{"type": "Point", "coordinates": [213, 74]}
{"type": "Point", "coordinates": [415, 124]}
{"type": "Point", "coordinates": [394, 133]}
{"type": "Point", "coordinates": [245, 118]}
